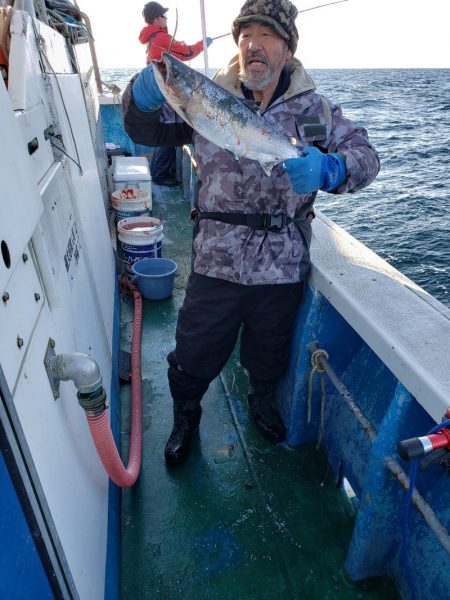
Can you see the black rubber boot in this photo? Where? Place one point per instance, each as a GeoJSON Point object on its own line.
{"type": "Point", "coordinates": [264, 414]}
{"type": "Point", "coordinates": [186, 422]}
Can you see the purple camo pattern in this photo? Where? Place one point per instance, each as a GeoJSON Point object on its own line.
{"type": "Point", "coordinates": [249, 257]}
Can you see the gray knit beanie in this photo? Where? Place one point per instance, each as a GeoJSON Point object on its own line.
{"type": "Point", "coordinates": [278, 14]}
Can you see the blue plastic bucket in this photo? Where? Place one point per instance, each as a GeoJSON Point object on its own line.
{"type": "Point", "coordinates": [140, 237]}
{"type": "Point", "coordinates": [154, 277]}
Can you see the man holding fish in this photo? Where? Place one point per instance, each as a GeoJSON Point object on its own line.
{"type": "Point", "coordinates": [265, 143]}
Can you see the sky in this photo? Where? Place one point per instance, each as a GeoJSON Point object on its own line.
{"type": "Point", "coordinates": [352, 34]}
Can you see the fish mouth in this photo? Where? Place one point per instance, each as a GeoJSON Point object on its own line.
{"type": "Point", "coordinates": [162, 68]}
{"type": "Point", "coordinates": [170, 67]}
{"type": "Point", "coordinates": [165, 65]}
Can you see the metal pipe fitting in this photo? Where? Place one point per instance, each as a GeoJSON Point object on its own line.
{"type": "Point", "coordinates": [79, 368]}
{"type": "Point", "coordinates": [93, 404]}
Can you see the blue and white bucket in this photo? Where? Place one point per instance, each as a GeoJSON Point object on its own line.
{"type": "Point", "coordinates": [140, 237]}
{"type": "Point", "coordinates": [131, 202]}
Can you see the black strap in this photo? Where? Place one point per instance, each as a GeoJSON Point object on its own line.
{"type": "Point", "coordinates": [151, 36]}
{"type": "Point", "coordinates": [260, 221]}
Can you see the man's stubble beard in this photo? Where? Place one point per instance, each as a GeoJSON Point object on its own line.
{"type": "Point", "coordinates": [273, 70]}
{"type": "Point", "coordinates": [258, 85]}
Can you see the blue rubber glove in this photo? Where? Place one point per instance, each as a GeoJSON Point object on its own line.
{"type": "Point", "coordinates": [209, 41]}
{"type": "Point", "coordinates": [314, 170]}
{"type": "Point", "coordinates": [146, 93]}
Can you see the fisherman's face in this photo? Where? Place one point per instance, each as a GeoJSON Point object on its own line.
{"type": "Point", "coordinates": [262, 55]}
{"type": "Point", "coordinates": [160, 21]}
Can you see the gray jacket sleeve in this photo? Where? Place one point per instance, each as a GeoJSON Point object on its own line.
{"type": "Point", "coordinates": [352, 142]}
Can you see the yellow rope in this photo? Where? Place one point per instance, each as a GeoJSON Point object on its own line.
{"type": "Point", "coordinates": [317, 367]}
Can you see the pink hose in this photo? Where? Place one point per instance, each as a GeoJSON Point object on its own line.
{"type": "Point", "coordinates": [100, 426]}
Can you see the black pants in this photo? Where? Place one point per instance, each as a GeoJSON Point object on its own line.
{"type": "Point", "coordinates": [208, 327]}
{"type": "Point", "coordinates": [163, 165]}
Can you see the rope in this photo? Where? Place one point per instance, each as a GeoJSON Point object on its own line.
{"type": "Point", "coordinates": [113, 88]}
{"type": "Point", "coordinates": [317, 367]}
{"type": "Point", "coordinates": [68, 23]}
{"type": "Point", "coordinates": [40, 42]}
{"type": "Point", "coordinates": [115, 91]}
{"type": "Point", "coordinates": [61, 149]}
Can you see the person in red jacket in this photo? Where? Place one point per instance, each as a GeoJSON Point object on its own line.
{"type": "Point", "coordinates": [158, 40]}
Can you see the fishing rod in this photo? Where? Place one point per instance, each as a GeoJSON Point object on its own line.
{"type": "Point", "coordinates": [300, 11]}
{"type": "Point", "coordinates": [322, 5]}
{"type": "Point", "coordinates": [221, 36]}
{"type": "Point", "coordinates": [174, 33]}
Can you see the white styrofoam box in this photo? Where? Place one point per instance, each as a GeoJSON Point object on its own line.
{"type": "Point", "coordinates": [132, 171]}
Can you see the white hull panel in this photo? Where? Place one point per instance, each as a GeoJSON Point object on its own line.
{"type": "Point", "coordinates": [53, 211]}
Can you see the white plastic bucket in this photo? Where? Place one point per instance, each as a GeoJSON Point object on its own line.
{"type": "Point", "coordinates": [140, 237]}
{"type": "Point", "coordinates": [131, 202]}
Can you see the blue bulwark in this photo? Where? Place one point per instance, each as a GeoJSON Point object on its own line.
{"type": "Point", "coordinates": [113, 545]}
{"type": "Point", "coordinates": [21, 572]}
{"type": "Point", "coordinates": [113, 131]}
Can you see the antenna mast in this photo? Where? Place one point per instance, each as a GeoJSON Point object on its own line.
{"type": "Point", "coordinates": [205, 49]}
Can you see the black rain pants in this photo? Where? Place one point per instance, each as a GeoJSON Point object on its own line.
{"type": "Point", "coordinates": [208, 327]}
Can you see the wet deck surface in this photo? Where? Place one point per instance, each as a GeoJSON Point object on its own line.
{"type": "Point", "coordinates": [241, 519]}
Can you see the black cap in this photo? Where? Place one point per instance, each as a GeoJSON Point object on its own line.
{"type": "Point", "coordinates": [153, 10]}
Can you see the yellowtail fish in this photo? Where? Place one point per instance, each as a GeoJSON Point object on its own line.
{"type": "Point", "coordinates": [220, 117]}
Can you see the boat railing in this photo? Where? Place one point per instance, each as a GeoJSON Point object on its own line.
{"type": "Point", "coordinates": [98, 79]}
{"type": "Point", "coordinates": [72, 23]}
{"type": "Point", "coordinates": [406, 327]}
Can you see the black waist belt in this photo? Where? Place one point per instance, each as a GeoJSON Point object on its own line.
{"type": "Point", "coordinates": [261, 221]}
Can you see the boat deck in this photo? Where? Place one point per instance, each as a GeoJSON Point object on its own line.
{"type": "Point", "coordinates": [241, 519]}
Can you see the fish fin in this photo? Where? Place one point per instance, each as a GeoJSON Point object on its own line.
{"type": "Point", "coordinates": [253, 105]}
{"type": "Point", "coordinates": [268, 167]}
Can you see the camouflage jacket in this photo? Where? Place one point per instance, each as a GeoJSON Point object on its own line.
{"type": "Point", "coordinates": [242, 255]}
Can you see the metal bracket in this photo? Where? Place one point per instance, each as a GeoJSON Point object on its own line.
{"type": "Point", "coordinates": [49, 132]}
{"type": "Point", "coordinates": [88, 76]}
{"type": "Point", "coordinates": [49, 357]}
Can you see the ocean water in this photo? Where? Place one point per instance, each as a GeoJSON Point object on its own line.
{"type": "Point", "coordinates": [404, 216]}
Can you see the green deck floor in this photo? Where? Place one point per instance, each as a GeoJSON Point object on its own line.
{"type": "Point", "coordinates": [241, 519]}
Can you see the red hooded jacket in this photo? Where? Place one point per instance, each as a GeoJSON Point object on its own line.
{"type": "Point", "coordinates": [158, 40]}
